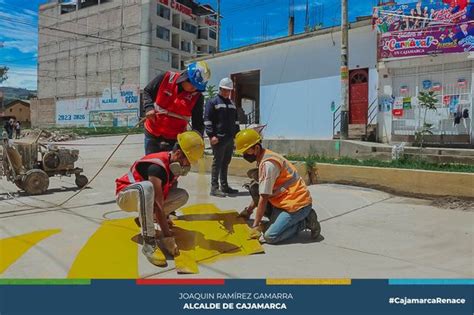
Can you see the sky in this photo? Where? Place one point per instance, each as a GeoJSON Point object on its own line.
{"type": "Point", "coordinates": [244, 22]}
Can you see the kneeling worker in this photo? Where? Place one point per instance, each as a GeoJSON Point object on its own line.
{"type": "Point", "coordinates": [282, 187]}
{"type": "Point", "coordinates": [148, 188]}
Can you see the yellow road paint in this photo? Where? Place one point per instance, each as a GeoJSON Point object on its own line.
{"type": "Point", "coordinates": [205, 234]}
{"type": "Point", "coordinates": [13, 248]}
{"type": "Point", "coordinates": [110, 253]}
{"type": "Point", "coordinates": [309, 281]}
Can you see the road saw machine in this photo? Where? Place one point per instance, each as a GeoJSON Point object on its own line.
{"type": "Point", "coordinates": [29, 164]}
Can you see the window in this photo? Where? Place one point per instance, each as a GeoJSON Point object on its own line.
{"type": "Point", "coordinates": [163, 11]}
{"type": "Point", "coordinates": [185, 26]}
{"type": "Point", "coordinates": [185, 46]}
{"type": "Point", "coordinates": [163, 55]}
{"type": "Point", "coordinates": [212, 34]}
{"type": "Point", "coordinates": [163, 33]}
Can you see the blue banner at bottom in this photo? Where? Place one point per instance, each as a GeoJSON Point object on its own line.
{"type": "Point", "coordinates": [215, 296]}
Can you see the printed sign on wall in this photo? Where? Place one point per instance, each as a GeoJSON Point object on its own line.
{"type": "Point", "coordinates": [119, 103]}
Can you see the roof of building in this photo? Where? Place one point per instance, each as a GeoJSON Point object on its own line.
{"type": "Point", "coordinates": [364, 21]}
{"type": "Point", "coordinates": [14, 102]}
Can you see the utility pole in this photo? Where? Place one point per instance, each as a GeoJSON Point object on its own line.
{"type": "Point", "coordinates": [344, 71]}
{"type": "Point", "coordinates": [218, 25]}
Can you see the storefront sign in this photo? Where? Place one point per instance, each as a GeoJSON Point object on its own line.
{"type": "Point", "coordinates": [181, 8]}
{"type": "Point", "coordinates": [438, 40]}
{"type": "Point", "coordinates": [407, 103]}
{"type": "Point", "coordinates": [462, 83]}
{"type": "Point", "coordinates": [422, 14]}
{"type": "Point", "coordinates": [165, 2]}
{"type": "Point", "coordinates": [210, 22]}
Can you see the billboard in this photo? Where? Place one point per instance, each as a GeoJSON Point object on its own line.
{"type": "Point", "coordinates": [438, 40]}
{"type": "Point", "coordinates": [116, 107]}
{"type": "Point", "coordinates": [424, 27]}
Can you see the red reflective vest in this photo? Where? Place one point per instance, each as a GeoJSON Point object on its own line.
{"type": "Point", "coordinates": [132, 176]}
{"type": "Point", "coordinates": [173, 108]}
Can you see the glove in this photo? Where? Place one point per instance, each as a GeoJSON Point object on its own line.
{"type": "Point", "coordinates": [170, 245]}
{"type": "Point", "coordinates": [256, 232]}
{"type": "Point", "coordinates": [245, 214]}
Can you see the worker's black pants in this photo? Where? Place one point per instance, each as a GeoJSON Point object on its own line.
{"type": "Point", "coordinates": [157, 144]}
{"type": "Point", "coordinates": [220, 164]}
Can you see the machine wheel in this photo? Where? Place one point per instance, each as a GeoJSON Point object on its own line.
{"type": "Point", "coordinates": [81, 181]}
{"type": "Point", "coordinates": [19, 184]}
{"type": "Point", "coordinates": [35, 182]}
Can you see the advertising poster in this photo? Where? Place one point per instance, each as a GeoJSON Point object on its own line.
{"type": "Point", "coordinates": [114, 104]}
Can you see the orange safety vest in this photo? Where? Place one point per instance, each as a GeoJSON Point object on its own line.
{"type": "Point", "coordinates": [289, 191]}
{"type": "Point", "coordinates": [162, 159]}
{"type": "Point", "coordinates": [173, 108]}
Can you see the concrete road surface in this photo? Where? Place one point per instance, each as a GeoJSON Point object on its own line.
{"type": "Point", "coordinates": [367, 233]}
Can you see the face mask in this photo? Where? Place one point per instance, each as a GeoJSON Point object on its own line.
{"type": "Point", "coordinates": [179, 170]}
{"type": "Point", "coordinates": [250, 158]}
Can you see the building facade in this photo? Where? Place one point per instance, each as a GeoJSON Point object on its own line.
{"type": "Point", "coordinates": [18, 110]}
{"type": "Point", "coordinates": [293, 84]}
{"type": "Point", "coordinates": [97, 55]}
{"type": "Point", "coordinates": [427, 48]}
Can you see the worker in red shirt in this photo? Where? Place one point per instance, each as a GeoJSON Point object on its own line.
{"type": "Point", "coordinates": [173, 101]}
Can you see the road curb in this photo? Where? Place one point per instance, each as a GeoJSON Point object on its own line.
{"type": "Point", "coordinates": [403, 181]}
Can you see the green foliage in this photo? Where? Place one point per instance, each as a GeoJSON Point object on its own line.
{"type": "Point", "coordinates": [427, 101]}
{"type": "Point", "coordinates": [211, 91]}
{"type": "Point", "coordinates": [3, 74]}
{"type": "Point", "coordinates": [404, 163]}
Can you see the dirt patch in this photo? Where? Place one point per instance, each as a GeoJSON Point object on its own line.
{"type": "Point", "coordinates": [454, 203]}
{"type": "Point", "coordinates": [444, 202]}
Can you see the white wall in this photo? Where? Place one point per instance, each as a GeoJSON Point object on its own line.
{"type": "Point", "coordinates": [299, 80]}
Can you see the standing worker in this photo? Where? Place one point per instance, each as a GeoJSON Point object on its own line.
{"type": "Point", "coordinates": [280, 186]}
{"type": "Point", "coordinates": [17, 129]}
{"type": "Point", "coordinates": [220, 119]}
{"type": "Point", "coordinates": [8, 126]}
{"type": "Point", "coordinates": [149, 188]}
{"type": "Point", "coordinates": [172, 101]}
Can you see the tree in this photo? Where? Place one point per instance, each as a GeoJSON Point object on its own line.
{"type": "Point", "coordinates": [427, 101]}
{"type": "Point", "coordinates": [3, 74]}
{"type": "Point", "coordinates": [211, 91]}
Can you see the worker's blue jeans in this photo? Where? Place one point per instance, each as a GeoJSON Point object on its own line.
{"type": "Point", "coordinates": [284, 225]}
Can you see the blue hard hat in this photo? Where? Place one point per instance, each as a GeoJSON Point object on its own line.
{"type": "Point", "coordinates": [199, 74]}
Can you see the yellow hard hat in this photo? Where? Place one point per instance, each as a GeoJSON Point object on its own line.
{"type": "Point", "coordinates": [245, 139]}
{"type": "Point", "coordinates": [192, 145]}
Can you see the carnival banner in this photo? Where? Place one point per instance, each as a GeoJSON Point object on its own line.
{"type": "Point", "coordinates": [422, 14]}
{"type": "Point", "coordinates": [437, 40]}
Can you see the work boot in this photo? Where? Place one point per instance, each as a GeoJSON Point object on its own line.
{"type": "Point", "coordinates": [217, 193]}
{"type": "Point", "coordinates": [228, 190]}
{"type": "Point", "coordinates": [312, 224]}
{"type": "Point", "coordinates": [153, 253]}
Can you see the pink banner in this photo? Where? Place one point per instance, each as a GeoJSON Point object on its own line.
{"type": "Point", "coordinates": [441, 40]}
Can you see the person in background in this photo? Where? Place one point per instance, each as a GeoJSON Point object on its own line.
{"type": "Point", "coordinates": [17, 130]}
{"type": "Point", "coordinates": [8, 126]}
{"type": "Point", "coordinates": [172, 101]}
{"type": "Point", "coordinates": [222, 124]}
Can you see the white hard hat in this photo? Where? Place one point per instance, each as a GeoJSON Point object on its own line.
{"type": "Point", "coordinates": [227, 84]}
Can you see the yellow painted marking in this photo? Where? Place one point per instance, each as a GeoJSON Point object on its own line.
{"type": "Point", "coordinates": [309, 281]}
{"type": "Point", "coordinates": [13, 248]}
{"type": "Point", "coordinates": [110, 253]}
{"type": "Point", "coordinates": [206, 234]}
